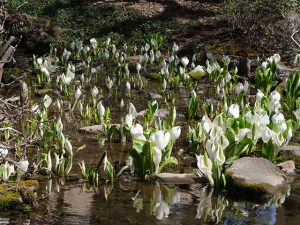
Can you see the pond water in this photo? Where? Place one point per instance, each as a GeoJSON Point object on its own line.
{"type": "Point", "coordinates": [69, 201]}
{"type": "Point", "coordinates": [127, 201]}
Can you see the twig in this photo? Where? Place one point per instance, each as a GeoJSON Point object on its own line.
{"type": "Point", "coordinates": [292, 36]}
{"type": "Point", "coordinates": [100, 161]}
{"type": "Point", "coordinates": [24, 3]}
{"type": "Point", "coordinates": [10, 128]}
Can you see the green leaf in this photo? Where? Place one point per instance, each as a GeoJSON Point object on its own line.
{"type": "Point", "coordinates": [230, 134]}
{"type": "Point", "coordinates": [171, 160]}
{"type": "Point", "coordinates": [243, 146]}
{"type": "Point", "coordinates": [138, 145]}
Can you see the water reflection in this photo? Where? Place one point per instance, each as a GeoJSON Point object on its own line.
{"type": "Point", "coordinates": [140, 203]}
{"type": "Point", "coordinates": [212, 208]}
{"type": "Point", "coordinates": [137, 202]}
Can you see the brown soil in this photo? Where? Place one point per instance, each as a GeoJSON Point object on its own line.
{"type": "Point", "coordinates": [199, 27]}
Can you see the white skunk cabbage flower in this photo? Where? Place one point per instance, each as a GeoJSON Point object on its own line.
{"type": "Point", "coordinates": [259, 95]}
{"type": "Point", "coordinates": [136, 131]}
{"type": "Point", "coordinates": [59, 126]}
{"type": "Point", "coordinates": [206, 124]}
{"type": "Point", "coordinates": [128, 120]}
{"type": "Point", "coordinates": [94, 92]}
{"type": "Point", "coordinates": [297, 60]}
{"type": "Point", "coordinates": [275, 96]}
{"type": "Point", "coordinates": [101, 109]}
{"type": "Point", "coordinates": [175, 47]}
{"type": "Point", "coordinates": [204, 165]}
{"type": "Point", "coordinates": [23, 165]}
{"type": "Point", "coordinates": [234, 110]}
{"type": "Point", "coordinates": [77, 93]}
{"type": "Point", "coordinates": [219, 156]}
{"type": "Point", "coordinates": [239, 88]}
{"type": "Point", "coordinates": [128, 87]}
{"type": "Point", "coordinates": [147, 47]}
{"type": "Point", "coordinates": [164, 84]}
{"type": "Point", "coordinates": [193, 94]}
{"type": "Point", "coordinates": [68, 146]}
{"type": "Point", "coordinates": [122, 104]}
{"type": "Point", "coordinates": [175, 133]}
{"type": "Point", "coordinates": [138, 67]}
{"type": "Point", "coordinates": [185, 61]}
{"type": "Point", "coordinates": [161, 139]}
{"type": "Point", "coordinates": [47, 101]}
{"type": "Point", "coordinates": [132, 110]}
{"type": "Point", "coordinates": [3, 152]}
{"type": "Point", "coordinates": [94, 43]}
{"type": "Point", "coordinates": [156, 158]}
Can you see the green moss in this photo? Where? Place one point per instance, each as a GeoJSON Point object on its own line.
{"type": "Point", "coordinates": [18, 195]}
{"type": "Point", "coordinates": [9, 199]}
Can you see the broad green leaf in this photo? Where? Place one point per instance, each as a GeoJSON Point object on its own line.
{"type": "Point", "coordinates": [171, 160]}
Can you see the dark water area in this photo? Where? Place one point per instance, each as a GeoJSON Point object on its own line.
{"type": "Point", "coordinates": [70, 201]}
{"type": "Point", "coordinates": [127, 201]}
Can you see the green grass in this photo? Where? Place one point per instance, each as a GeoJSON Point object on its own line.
{"type": "Point", "coordinates": [80, 19]}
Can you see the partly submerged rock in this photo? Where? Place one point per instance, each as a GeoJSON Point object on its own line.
{"type": "Point", "coordinates": [288, 167]}
{"type": "Point", "coordinates": [163, 113]}
{"type": "Point", "coordinates": [254, 178]}
{"type": "Point", "coordinates": [18, 195]}
{"type": "Point", "coordinates": [155, 96]}
{"type": "Point", "coordinates": [94, 129]}
{"type": "Point", "coordinates": [174, 178]}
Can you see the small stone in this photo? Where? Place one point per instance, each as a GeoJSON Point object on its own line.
{"type": "Point", "coordinates": [163, 113]}
{"type": "Point", "coordinates": [287, 166]}
{"type": "Point", "coordinates": [94, 129]}
{"type": "Point", "coordinates": [155, 96]}
{"type": "Point", "coordinates": [173, 178]}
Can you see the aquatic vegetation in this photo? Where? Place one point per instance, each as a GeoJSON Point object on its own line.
{"type": "Point", "coordinates": [89, 173]}
{"type": "Point", "coordinates": [96, 83]}
{"type": "Point", "coordinates": [193, 106]}
{"type": "Point", "coordinates": [292, 91]}
{"type": "Point", "coordinates": [265, 77]}
{"type": "Point", "coordinates": [152, 148]}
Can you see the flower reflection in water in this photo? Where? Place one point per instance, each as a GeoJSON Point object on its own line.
{"type": "Point", "coordinates": [212, 208]}
{"type": "Point", "coordinates": [163, 197]}
{"type": "Point", "coordinates": [137, 202]}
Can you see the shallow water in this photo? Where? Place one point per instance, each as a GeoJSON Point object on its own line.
{"type": "Point", "coordinates": [161, 204]}
{"type": "Point", "coordinates": [69, 201]}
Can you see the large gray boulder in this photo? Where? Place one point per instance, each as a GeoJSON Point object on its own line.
{"type": "Point", "coordinates": [255, 178]}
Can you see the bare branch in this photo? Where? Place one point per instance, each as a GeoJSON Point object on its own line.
{"type": "Point", "coordinates": [293, 37]}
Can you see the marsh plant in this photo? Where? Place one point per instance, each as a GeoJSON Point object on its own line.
{"type": "Point", "coordinates": [221, 129]}
{"type": "Point", "coordinates": [193, 106]}
{"type": "Point", "coordinates": [266, 76]}
{"type": "Point", "coordinates": [89, 173]}
{"type": "Point", "coordinates": [260, 130]}
{"type": "Point", "coordinates": [152, 146]}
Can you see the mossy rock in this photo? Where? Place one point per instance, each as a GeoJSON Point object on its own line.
{"type": "Point", "coordinates": [255, 179]}
{"type": "Point", "coordinates": [197, 73]}
{"type": "Point", "coordinates": [18, 195]}
{"type": "Point", "coordinates": [155, 76]}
